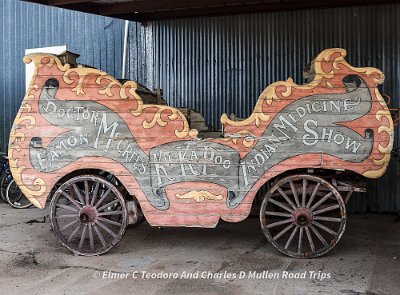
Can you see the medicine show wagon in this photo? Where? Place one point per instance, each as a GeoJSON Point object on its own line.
{"type": "Point", "coordinates": [107, 156]}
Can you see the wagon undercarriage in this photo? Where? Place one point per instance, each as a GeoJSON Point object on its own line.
{"type": "Point", "coordinates": [302, 215]}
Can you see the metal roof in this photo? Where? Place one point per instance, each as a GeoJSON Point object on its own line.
{"type": "Point", "coordinates": [147, 10]}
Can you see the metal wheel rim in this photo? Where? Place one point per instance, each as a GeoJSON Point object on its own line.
{"type": "Point", "coordinates": [15, 202]}
{"type": "Point", "coordinates": [309, 222]}
{"type": "Point", "coordinates": [92, 226]}
{"type": "Point", "coordinates": [3, 185]}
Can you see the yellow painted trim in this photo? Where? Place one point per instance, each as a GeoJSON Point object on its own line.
{"type": "Point", "coordinates": [200, 196]}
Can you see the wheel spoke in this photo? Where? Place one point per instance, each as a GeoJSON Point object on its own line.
{"type": "Point", "coordinates": [320, 237]}
{"type": "Point", "coordinates": [109, 221]}
{"type": "Point", "coordinates": [294, 192]}
{"type": "Point", "coordinates": [316, 205]}
{"type": "Point", "coordinates": [332, 219]}
{"type": "Point", "coordinates": [78, 193]}
{"type": "Point", "coordinates": [108, 205]}
{"type": "Point", "coordinates": [282, 214]}
{"type": "Point", "coordinates": [310, 240]}
{"type": "Point", "coordinates": [69, 225]}
{"type": "Point", "coordinates": [316, 188]}
{"type": "Point", "coordinates": [103, 197]}
{"type": "Point", "coordinates": [289, 241]}
{"type": "Point", "coordinates": [279, 223]}
{"type": "Point", "coordinates": [73, 234]}
{"type": "Point", "coordinates": [299, 245]}
{"type": "Point", "coordinates": [328, 230]}
{"type": "Point", "coordinates": [277, 203]}
{"type": "Point", "coordinates": [86, 192]}
{"type": "Point", "coordinates": [103, 242]}
{"type": "Point", "coordinates": [67, 216]}
{"type": "Point", "coordinates": [103, 226]}
{"type": "Point", "coordinates": [82, 237]}
{"type": "Point", "coordinates": [91, 241]}
{"type": "Point", "coordinates": [304, 193]}
{"type": "Point", "coordinates": [286, 198]}
{"type": "Point", "coordinates": [282, 232]}
{"type": "Point", "coordinates": [71, 200]}
{"type": "Point", "coordinates": [67, 207]}
{"type": "Point", "coordinates": [110, 213]}
{"type": "Point", "coordinates": [330, 208]}
{"type": "Point", "coordinates": [95, 192]}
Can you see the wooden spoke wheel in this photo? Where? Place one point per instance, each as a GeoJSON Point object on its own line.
{"type": "Point", "coordinates": [88, 215]}
{"type": "Point", "coordinates": [303, 216]}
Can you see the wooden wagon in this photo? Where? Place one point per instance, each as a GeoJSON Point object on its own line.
{"type": "Point", "coordinates": [107, 157]}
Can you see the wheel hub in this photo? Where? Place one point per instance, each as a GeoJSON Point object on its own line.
{"type": "Point", "coordinates": [87, 214]}
{"type": "Point", "coordinates": [302, 216]}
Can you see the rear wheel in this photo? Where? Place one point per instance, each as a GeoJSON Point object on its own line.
{"type": "Point", "coordinates": [303, 216]}
{"type": "Point", "coordinates": [88, 215]}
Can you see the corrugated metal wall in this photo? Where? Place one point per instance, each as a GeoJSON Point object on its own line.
{"type": "Point", "coordinates": [221, 64]}
{"type": "Point", "coordinates": [141, 67]}
{"type": "Point", "coordinates": [99, 41]}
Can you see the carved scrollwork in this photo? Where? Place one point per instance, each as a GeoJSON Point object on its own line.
{"type": "Point", "coordinates": [174, 115]}
{"type": "Point", "coordinates": [384, 150]}
{"type": "Point", "coordinates": [200, 196]}
{"type": "Point", "coordinates": [245, 137]}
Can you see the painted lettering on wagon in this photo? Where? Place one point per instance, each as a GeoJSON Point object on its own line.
{"type": "Point", "coordinates": [100, 134]}
{"type": "Point", "coordinates": [311, 125]}
{"type": "Point", "coordinates": [308, 125]}
{"type": "Point", "coordinates": [186, 160]}
{"type": "Point", "coordinates": [325, 105]}
{"type": "Point", "coordinates": [194, 161]}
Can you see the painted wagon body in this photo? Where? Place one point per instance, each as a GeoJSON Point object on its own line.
{"type": "Point", "coordinates": [76, 124]}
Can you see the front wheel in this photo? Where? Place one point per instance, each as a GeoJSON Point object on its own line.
{"type": "Point", "coordinates": [303, 216]}
{"type": "Point", "coordinates": [88, 215]}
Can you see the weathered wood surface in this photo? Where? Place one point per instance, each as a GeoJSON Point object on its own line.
{"type": "Point", "coordinates": [80, 118]}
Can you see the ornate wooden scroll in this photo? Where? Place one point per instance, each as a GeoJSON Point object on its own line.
{"type": "Point", "coordinates": [82, 118]}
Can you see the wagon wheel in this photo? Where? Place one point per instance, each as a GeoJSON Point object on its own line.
{"type": "Point", "coordinates": [15, 198]}
{"type": "Point", "coordinates": [303, 216]}
{"type": "Point", "coordinates": [88, 215]}
{"type": "Point", "coordinates": [5, 180]}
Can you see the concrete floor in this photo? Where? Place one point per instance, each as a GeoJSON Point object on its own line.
{"type": "Point", "coordinates": [366, 261]}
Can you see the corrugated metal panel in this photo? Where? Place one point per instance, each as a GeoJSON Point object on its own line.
{"type": "Point", "coordinates": [99, 41]}
{"type": "Point", "coordinates": [222, 64]}
{"type": "Point", "coordinates": [141, 54]}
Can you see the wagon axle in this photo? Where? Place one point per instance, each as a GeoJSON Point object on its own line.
{"type": "Point", "coordinates": [87, 215]}
{"type": "Point", "coordinates": [302, 216]}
